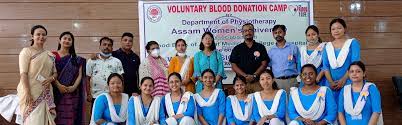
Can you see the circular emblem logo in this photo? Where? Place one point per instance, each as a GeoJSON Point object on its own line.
{"type": "Point", "coordinates": [154, 13]}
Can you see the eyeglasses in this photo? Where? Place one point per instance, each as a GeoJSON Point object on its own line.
{"type": "Point", "coordinates": [249, 30]}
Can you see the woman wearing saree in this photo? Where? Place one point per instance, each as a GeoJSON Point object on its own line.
{"type": "Point", "coordinates": [69, 91]}
{"type": "Point", "coordinates": [37, 72]}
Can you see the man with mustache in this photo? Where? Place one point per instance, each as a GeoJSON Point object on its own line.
{"type": "Point", "coordinates": [249, 58]}
{"type": "Point", "coordinates": [283, 57]}
{"type": "Point", "coordinates": [98, 70]}
{"type": "Point", "coordinates": [130, 62]}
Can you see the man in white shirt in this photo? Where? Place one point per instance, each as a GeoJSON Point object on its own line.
{"type": "Point", "coordinates": [99, 70]}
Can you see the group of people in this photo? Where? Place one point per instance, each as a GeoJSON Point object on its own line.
{"type": "Point", "coordinates": [188, 90]}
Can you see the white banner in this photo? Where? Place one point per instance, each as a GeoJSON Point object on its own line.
{"type": "Point", "coordinates": [167, 21]}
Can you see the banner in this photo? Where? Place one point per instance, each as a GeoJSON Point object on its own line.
{"type": "Point", "coordinates": [167, 21]}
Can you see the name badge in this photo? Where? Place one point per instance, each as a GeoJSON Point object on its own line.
{"type": "Point", "coordinates": [290, 57]}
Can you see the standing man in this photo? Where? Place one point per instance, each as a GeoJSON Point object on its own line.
{"type": "Point", "coordinates": [130, 61]}
{"type": "Point", "coordinates": [283, 59]}
{"type": "Point", "coordinates": [249, 58]}
{"type": "Point", "coordinates": [99, 70]}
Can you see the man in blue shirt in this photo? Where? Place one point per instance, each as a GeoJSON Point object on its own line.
{"type": "Point", "coordinates": [283, 59]}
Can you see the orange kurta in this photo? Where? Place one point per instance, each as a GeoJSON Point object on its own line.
{"type": "Point", "coordinates": [175, 66]}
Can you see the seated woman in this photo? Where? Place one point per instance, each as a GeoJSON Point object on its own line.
{"type": "Point", "coordinates": [210, 101]}
{"type": "Point", "coordinates": [111, 108]}
{"type": "Point", "coordinates": [311, 104]}
{"type": "Point", "coordinates": [239, 106]}
{"type": "Point", "coordinates": [271, 96]}
{"type": "Point", "coordinates": [144, 109]}
{"type": "Point", "coordinates": [177, 107]}
{"type": "Point", "coordinates": [360, 101]}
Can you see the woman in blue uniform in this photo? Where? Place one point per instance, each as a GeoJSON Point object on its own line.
{"type": "Point", "coordinates": [312, 53]}
{"type": "Point", "coordinates": [177, 107]}
{"type": "Point", "coordinates": [311, 104]}
{"type": "Point", "coordinates": [360, 101]}
{"type": "Point", "coordinates": [269, 105]}
{"type": "Point", "coordinates": [111, 108]}
{"type": "Point", "coordinates": [210, 101]}
{"type": "Point", "coordinates": [144, 109]}
{"type": "Point", "coordinates": [239, 106]}
{"type": "Point", "coordinates": [338, 55]}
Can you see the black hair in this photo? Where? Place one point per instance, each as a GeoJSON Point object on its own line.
{"type": "Point", "coordinates": [239, 77]}
{"type": "Point", "coordinates": [127, 34]}
{"type": "Point", "coordinates": [147, 78]}
{"type": "Point", "coordinates": [174, 74]}
{"type": "Point", "coordinates": [248, 24]}
{"type": "Point", "coordinates": [283, 27]}
{"type": "Point", "coordinates": [180, 40]}
{"type": "Point", "coordinates": [315, 28]}
{"type": "Point", "coordinates": [213, 45]}
{"type": "Point", "coordinates": [274, 84]}
{"type": "Point", "coordinates": [310, 66]}
{"type": "Point", "coordinates": [208, 70]}
{"type": "Point", "coordinates": [358, 63]}
{"type": "Point", "coordinates": [71, 50]}
{"type": "Point", "coordinates": [105, 38]}
{"type": "Point", "coordinates": [33, 31]}
{"type": "Point", "coordinates": [143, 80]}
{"type": "Point", "coordinates": [337, 20]}
{"type": "Point", "coordinates": [114, 75]}
{"type": "Point", "coordinates": [150, 43]}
